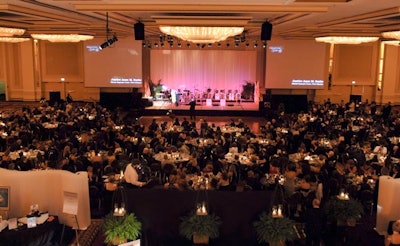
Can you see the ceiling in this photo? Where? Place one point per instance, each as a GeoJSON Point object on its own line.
{"type": "Point", "coordinates": [291, 19]}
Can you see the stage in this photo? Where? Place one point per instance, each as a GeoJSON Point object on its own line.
{"type": "Point", "coordinates": [205, 107]}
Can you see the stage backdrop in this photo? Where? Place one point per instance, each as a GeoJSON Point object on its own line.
{"type": "Point", "coordinates": [200, 70]}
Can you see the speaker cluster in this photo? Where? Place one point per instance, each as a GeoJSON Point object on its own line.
{"type": "Point", "coordinates": [266, 31]}
{"type": "Point", "coordinates": [139, 30]}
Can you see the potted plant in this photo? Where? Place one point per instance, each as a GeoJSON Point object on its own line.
{"type": "Point", "coordinates": [200, 227]}
{"type": "Point", "coordinates": [274, 231]}
{"type": "Point", "coordinates": [344, 211]}
{"type": "Point", "coordinates": [120, 229]}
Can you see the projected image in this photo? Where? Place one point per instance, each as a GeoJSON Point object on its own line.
{"type": "Point", "coordinates": [117, 65]}
{"type": "Point", "coordinates": [296, 64]}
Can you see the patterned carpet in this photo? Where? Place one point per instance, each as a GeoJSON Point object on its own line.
{"type": "Point", "coordinates": [88, 236]}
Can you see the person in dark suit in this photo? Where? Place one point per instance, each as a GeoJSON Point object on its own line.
{"type": "Point", "coordinates": [69, 98]}
{"type": "Point", "coordinates": [192, 109]}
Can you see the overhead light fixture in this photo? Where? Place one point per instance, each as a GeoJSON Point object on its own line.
{"type": "Point", "coordinates": [9, 32]}
{"type": "Point", "coordinates": [201, 34]}
{"type": "Point", "coordinates": [392, 35]}
{"type": "Point", "coordinates": [13, 39]}
{"type": "Point", "coordinates": [345, 40]}
{"type": "Point", "coordinates": [109, 42]}
{"type": "Point", "coordinates": [392, 42]}
{"type": "Point", "coordinates": [62, 38]}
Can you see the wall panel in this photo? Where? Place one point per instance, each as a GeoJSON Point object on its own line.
{"type": "Point", "coordinates": [355, 62]}
{"type": "Point", "coordinates": [62, 60]}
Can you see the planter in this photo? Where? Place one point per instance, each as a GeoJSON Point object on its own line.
{"type": "Point", "coordinates": [274, 231]}
{"type": "Point", "coordinates": [200, 239]}
{"type": "Point", "coordinates": [200, 227]}
{"type": "Point", "coordinates": [120, 229]}
{"type": "Point", "coordinates": [279, 243]}
{"type": "Point", "coordinates": [118, 241]}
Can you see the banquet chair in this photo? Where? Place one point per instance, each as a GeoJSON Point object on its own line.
{"type": "Point", "coordinates": [292, 202]}
{"type": "Point", "coordinates": [95, 196]}
{"type": "Point", "coordinates": [156, 172]}
{"type": "Point", "coordinates": [167, 170]}
{"type": "Point", "coordinates": [367, 200]}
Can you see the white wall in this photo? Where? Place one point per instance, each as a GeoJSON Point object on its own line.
{"type": "Point", "coordinates": [46, 188]}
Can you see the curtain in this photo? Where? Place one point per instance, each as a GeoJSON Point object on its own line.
{"type": "Point", "coordinates": [200, 71]}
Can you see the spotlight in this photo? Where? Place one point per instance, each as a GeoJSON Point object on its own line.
{"type": "Point", "coordinates": [179, 44]}
{"type": "Point", "coordinates": [109, 42]}
{"type": "Point", "coordinates": [219, 45]}
{"type": "Point", "coordinates": [144, 44]}
{"type": "Point", "coordinates": [156, 44]}
{"type": "Point", "coordinates": [209, 45]}
{"type": "Point", "coordinates": [162, 45]}
{"type": "Point", "coordinates": [188, 45]}
{"type": "Point", "coordinates": [255, 45]}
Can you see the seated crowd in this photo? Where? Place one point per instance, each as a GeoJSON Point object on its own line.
{"type": "Point", "coordinates": [312, 155]}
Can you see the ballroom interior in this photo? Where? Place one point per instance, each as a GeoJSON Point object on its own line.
{"type": "Point", "coordinates": [285, 54]}
{"type": "Point", "coordinates": [35, 69]}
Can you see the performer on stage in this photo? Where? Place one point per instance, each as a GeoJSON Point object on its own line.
{"type": "Point", "coordinates": [192, 109]}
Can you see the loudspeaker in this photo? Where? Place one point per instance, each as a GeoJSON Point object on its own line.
{"type": "Point", "coordinates": [139, 31]}
{"type": "Point", "coordinates": [268, 95]}
{"type": "Point", "coordinates": [266, 31]}
{"type": "Point", "coordinates": [289, 103]}
{"type": "Point", "coordinates": [355, 98]}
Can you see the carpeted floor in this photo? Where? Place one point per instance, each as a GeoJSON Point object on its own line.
{"type": "Point", "coordinates": [88, 237]}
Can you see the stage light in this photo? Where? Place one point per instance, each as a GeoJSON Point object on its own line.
{"type": "Point", "coordinates": [109, 42]}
